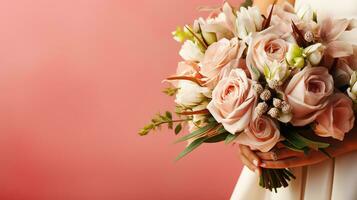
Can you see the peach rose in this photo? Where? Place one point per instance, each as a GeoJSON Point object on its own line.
{"type": "Point", "coordinates": [262, 134]}
{"type": "Point", "coordinates": [220, 58]}
{"type": "Point", "coordinates": [233, 101]}
{"type": "Point", "coordinates": [266, 48]}
{"type": "Point", "coordinates": [308, 92]}
{"type": "Point", "coordinates": [337, 119]}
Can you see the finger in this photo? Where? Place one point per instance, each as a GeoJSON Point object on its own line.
{"type": "Point", "coordinates": [313, 158]}
{"type": "Point", "coordinates": [251, 157]}
{"type": "Point", "coordinates": [250, 165]}
{"type": "Point", "coordinates": [247, 152]}
{"type": "Point", "coordinates": [279, 154]}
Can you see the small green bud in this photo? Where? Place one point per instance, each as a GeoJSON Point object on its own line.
{"type": "Point", "coordinates": [294, 57]}
{"type": "Point", "coordinates": [299, 62]}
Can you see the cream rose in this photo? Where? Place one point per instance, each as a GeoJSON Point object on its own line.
{"type": "Point", "coordinates": [308, 92]}
{"type": "Point", "coordinates": [337, 119]}
{"type": "Point", "coordinates": [266, 48]}
{"type": "Point", "coordinates": [220, 58]}
{"type": "Point", "coordinates": [233, 101]}
{"type": "Point", "coordinates": [262, 134]}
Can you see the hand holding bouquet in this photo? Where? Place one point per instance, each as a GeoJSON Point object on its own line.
{"type": "Point", "coordinates": [261, 81]}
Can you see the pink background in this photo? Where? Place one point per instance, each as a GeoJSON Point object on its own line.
{"type": "Point", "coordinates": [78, 78]}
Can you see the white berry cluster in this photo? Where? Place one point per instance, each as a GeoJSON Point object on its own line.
{"type": "Point", "coordinates": [275, 110]}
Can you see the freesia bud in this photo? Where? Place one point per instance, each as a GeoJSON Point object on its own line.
{"type": "Point", "coordinates": [190, 94]}
{"type": "Point", "coordinates": [295, 57]}
{"type": "Point", "coordinates": [314, 53]}
{"type": "Point", "coordinates": [276, 74]}
{"type": "Point", "coordinates": [352, 90]}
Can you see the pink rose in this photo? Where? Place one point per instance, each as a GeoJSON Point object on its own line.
{"type": "Point", "coordinates": [283, 15]}
{"type": "Point", "coordinates": [220, 58]}
{"type": "Point", "coordinates": [262, 134]}
{"type": "Point", "coordinates": [337, 119]}
{"type": "Point", "coordinates": [307, 93]}
{"type": "Point", "coordinates": [265, 48]}
{"type": "Point", "coordinates": [233, 101]}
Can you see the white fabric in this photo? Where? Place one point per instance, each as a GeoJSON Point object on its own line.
{"type": "Point", "coordinates": [331, 180]}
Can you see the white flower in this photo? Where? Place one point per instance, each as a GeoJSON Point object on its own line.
{"type": "Point", "coordinates": [352, 90]}
{"type": "Point", "coordinates": [306, 13]}
{"type": "Point", "coordinates": [276, 73]}
{"type": "Point", "coordinates": [212, 28]}
{"type": "Point", "coordinates": [191, 52]}
{"type": "Point", "coordinates": [248, 21]}
{"type": "Point", "coordinates": [314, 53]}
{"type": "Point", "coordinates": [190, 94]}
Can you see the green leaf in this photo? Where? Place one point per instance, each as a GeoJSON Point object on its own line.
{"type": "Point", "coordinates": [291, 147]}
{"type": "Point", "coordinates": [170, 91]}
{"type": "Point", "coordinates": [297, 142]}
{"type": "Point", "coordinates": [168, 115]}
{"type": "Point", "coordinates": [266, 72]}
{"type": "Point", "coordinates": [230, 138]}
{"type": "Point", "coordinates": [178, 128]}
{"type": "Point", "coordinates": [182, 34]}
{"type": "Point", "coordinates": [198, 132]}
{"type": "Point", "coordinates": [218, 138]}
{"type": "Point", "coordinates": [191, 147]}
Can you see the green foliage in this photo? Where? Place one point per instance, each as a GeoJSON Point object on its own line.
{"type": "Point", "coordinates": [182, 34]}
{"type": "Point", "coordinates": [247, 3]}
{"type": "Point", "coordinates": [230, 138]}
{"type": "Point", "coordinates": [170, 91]}
{"type": "Point", "coordinates": [161, 119]}
{"type": "Point", "coordinates": [218, 138]}
{"type": "Point", "coordinates": [178, 128]}
{"type": "Point", "coordinates": [191, 147]}
{"type": "Point", "coordinates": [198, 132]}
{"type": "Point", "coordinates": [297, 142]}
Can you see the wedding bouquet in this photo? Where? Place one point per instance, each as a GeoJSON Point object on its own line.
{"type": "Point", "coordinates": [259, 81]}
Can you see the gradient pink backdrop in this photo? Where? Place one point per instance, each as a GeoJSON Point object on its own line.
{"type": "Point", "coordinates": [78, 78]}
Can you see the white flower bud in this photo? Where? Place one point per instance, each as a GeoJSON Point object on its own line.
{"type": "Point", "coordinates": [258, 88]}
{"type": "Point", "coordinates": [276, 73]}
{"type": "Point", "coordinates": [286, 109]}
{"type": "Point", "coordinates": [265, 95]}
{"type": "Point", "coordinates": [277, 103]}
{"type": "Point", "coordinates": [314, 53]}
{"type": "Point", "coordinates": [274, 112]}
{"type": "Point", "coordinates": [309, 36]}
{"type": "Point", "coordinates": [190, 94]}
{"type": "Point", "coordinates": [352, 90]}
{"type": "Point", "coordinates": [261, 108]}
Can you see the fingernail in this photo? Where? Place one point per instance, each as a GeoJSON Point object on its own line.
{"type": "Point", "coordinates": [263, 165]}
{"type": "Point", "coordinates": [255, 162]}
